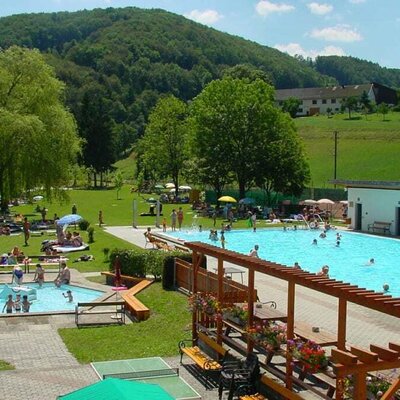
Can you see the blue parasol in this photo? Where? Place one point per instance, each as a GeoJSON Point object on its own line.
{"type": "Point", "coordinates": [247, 200]}
{"type": "Point", "coordinates": [69, 219]}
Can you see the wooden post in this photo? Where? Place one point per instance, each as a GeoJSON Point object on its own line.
{"type": "Point", "coordinates": [339, 385]}
{"type": "Point", "coordinates": [342, 324]}
{"type": "Point", "coordinates": [290, 331]}
{"type": "Point", "coordinates": [250, 303]}
{"type": "Point", "coordinates": [220, 296]}
{"type": "Point", "coordinates": [194, 290]}
{"type": "Point", "coordinates": [360, 386]}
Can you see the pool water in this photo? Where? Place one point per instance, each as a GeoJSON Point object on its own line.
{"type": "Point", "coordinates": [50, 298]}
{"type": "Point", "coordinates": [348, 262]}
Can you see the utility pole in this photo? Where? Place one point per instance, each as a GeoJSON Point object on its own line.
{"type": "Point", "coordinates": [335, 137]}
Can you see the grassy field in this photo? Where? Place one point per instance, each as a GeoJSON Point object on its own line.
{"type": "Point", "coordinates": [367, 148]}
{"type": "Point", "coordinates": [115, 212]}
{"type": "Point", "coordinates": [168, 313]}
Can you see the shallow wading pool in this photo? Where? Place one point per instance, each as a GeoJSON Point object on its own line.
{"type": "Point", "coordinates": [51, 299]}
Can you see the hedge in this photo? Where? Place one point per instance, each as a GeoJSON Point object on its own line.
{"type": "Point", "coordinates": [140, 263]}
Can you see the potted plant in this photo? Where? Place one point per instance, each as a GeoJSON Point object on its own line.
{"type": "Point", "coordinates": [203, 302]}
{"type": "Point", "coordinates": [311, 355]}
{"type": "Point", "coordinates": [270, 335]}
{"type": "Point", "coordinates": [237, 314]}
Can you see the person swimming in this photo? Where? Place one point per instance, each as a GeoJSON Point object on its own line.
{"type": "Point", "coordinates": [385, 287]}
{"type": "Point", "coordinates": [314, 241]}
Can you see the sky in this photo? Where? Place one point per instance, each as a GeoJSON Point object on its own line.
{"type": "Point", "coordinates": [366, 29]}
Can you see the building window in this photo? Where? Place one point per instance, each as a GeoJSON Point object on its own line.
{"type": "Point", "coordinates": [333, 101]}
{"type": "Point", "coordinates": [300, 110]}
{"type": "Point", "coordinates": [324, 101]}
{"type": "Point", "coordinates": [314, 101]}
{"type": "Point", "coordinates": [336, 109]}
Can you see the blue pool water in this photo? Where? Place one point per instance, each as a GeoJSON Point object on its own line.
{"type": "Point", "coordinates": [348, 262]}
{"type": "Point", "coordinates": [50, 298]}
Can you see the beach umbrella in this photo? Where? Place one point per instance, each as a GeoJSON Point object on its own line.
{"type": "Point", "coordinates": [69, 219]}
{"type": "Point", "coordinates": [37, 198]}
{"type": "Point", "coordinates": [158, 186]}
{"type": "Point", "coordinates": [325, 201]}
{"type": "Point", "coordinates": [344, 202]}
{"type": "Point", "coordinates": [119, 389]}
{"type": "Point", "coordinates": [151, 200]}
{"type": "Point", "coordinates": [247, 200]}
{"type": "Point", "coordinates": [170, 185]}
{"type": "Point", "coordinates": [183, 187]}
{"type": "Point", "coordinates": [227, 199]}
{"type": "Point", "coordinates": [309, 202]}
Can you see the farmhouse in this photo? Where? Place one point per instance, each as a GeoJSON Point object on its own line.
{"type": "Point", "coordinates": [319, 100]}
{"type": "Point", "coordinates": [373, 206]}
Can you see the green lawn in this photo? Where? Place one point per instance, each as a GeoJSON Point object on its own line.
{"type": "Point", "coordinates": [4, 366]}
{"type": "Point", "coordinates": [367, 148]}
{"type": "Point", "coordinates": [169, 315]}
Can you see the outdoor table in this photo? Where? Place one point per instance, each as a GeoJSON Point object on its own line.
{"type": "Point", "coordinates": [322, 337]}
{"type": "Point", "coordinates": [229, 271]}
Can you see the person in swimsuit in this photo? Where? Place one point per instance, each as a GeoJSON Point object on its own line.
{"type": "Point", "coordinates": [69, 296]}
{"type": "Point", "coordinates": [39, 275]}
{"type": "Point", "coordinates": [17, 303]}
{"type": "Point", "coordinates": [26, 304]}
{"type": "Point", "coordinates": [9, 305]}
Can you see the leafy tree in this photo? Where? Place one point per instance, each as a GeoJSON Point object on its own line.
{"type": "Point", "coordinates": [237, 128]}
{"type": "Point", "coordinates": [118, 182]}
{"type": "Point", "coordinates": [38, 139]}
{"type": "Point", "coordinates": [383, 109]}
{"type": "Point", "coordinates": [291, 106]}
{"type": "Point", "coordinates": [350, 103]}
{"type": "Point", "coordinates": [96, 129]}
{"type": "Point", "coordinates": [247, 71]}
{"type": "Point", "coordinates": [163, 146]}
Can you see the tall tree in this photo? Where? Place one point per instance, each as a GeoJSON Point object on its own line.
{"type": "Point", "coordinates": [96, 129]}
{"type": "Point", "coordinates": [291, 106]}
{"type": "Point", "coordinates": [350, 104]}
{"type": "Point", "coordinates": [163, 146]}
{"type": "Point", "coordinates": [228, 124]}
{"type": "Point", "coordinates": [38, 139]}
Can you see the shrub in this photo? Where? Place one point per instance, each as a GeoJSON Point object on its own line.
{"type": "Point", "coordinates": [140, 263]}
{"type": "Point", "coordinates": [83, 224]}
{"type": "Point", "coordinates": [106, 252]}
{"type": "Point", "coordinates": [90, 232]}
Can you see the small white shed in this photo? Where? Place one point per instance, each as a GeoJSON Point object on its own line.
{"type": "Point", "coordinates": [373, 201]}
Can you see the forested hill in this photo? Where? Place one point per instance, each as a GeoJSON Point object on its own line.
{"type": "Point", "coordinates": [129, 57]}
{"type": "Point", "coordinates": [352, 71]}
{"type": "Point", "coordinates": [125, 59]}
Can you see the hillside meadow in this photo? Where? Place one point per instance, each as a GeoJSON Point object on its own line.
{"type": "Point", "coordinates": [368, 148]}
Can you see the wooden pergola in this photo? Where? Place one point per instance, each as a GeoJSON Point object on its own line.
{"type": "Point", "coordinates": [356, 361]}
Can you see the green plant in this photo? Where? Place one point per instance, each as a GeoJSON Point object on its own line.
{"type": "Point", "coordinates": [204, 302]}
{"type": "Point", "coordinates": [271, 335]}
{"type": "Point", "coordinates": [238, 312]}
{"type": "Point", "coordinates": [106, 252]}
{"type": "Point", "coordinates": [90, 232]}
{"type": "Point", "coordinates": [377, 385]}
{"type": "Point", "coordinates": [83, 224]}
{"type": "Point", "coordinates": [311, 355]}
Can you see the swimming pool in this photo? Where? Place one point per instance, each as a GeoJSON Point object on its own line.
{"type": "Point", "coordinates": [51, 299]}
{"type": "Point", "coordinates": [348, 262]}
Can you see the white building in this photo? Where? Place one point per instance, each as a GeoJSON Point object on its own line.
{"type": "Point", "coordinates": [373, 201]}
{"type": "Point", "coordinates": [319, 100]}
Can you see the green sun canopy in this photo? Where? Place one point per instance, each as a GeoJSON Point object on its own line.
{"type": "Point", "coordinates": [118, 389]}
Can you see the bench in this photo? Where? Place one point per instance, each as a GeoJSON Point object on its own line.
{"type": "Point", "coordinates": [117, 314]}
{"type": "Point", "coordinates": [208, 364]}
{"type": "Point", "coordinates": [134, 305]}
{"type": "Point", "coordinates": [380, 226]}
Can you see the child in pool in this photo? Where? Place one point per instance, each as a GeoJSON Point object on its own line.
{"type": "Point", "coordinates": [17, 303]}
{"type": "Point", "coordinates": [26, 304]}
{"type": "Point", "coordinates": [69, 296]}
{"type": "Point", "coordinates": [9, 304]}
